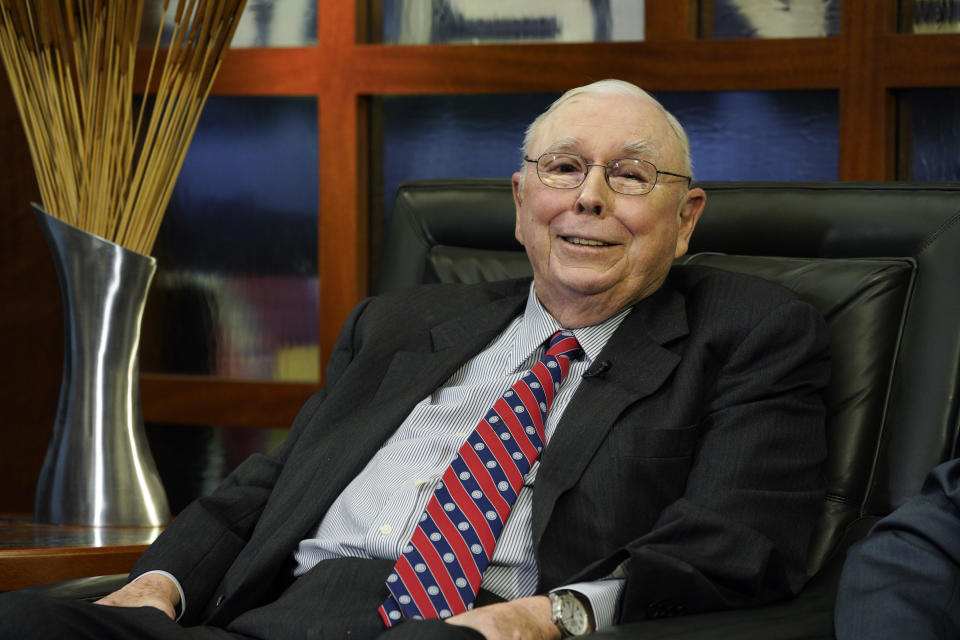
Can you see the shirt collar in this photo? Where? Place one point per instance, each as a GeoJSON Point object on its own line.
{"type": "Point", "coordinates": [537, 325]}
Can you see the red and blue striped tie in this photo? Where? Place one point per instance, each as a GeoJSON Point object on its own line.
{"type": "Point", "coordinates": [438, 574]}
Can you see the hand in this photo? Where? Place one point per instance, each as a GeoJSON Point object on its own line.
{"type": "Point", "coordinates": [154, 590]}
{"type": "Point", "coordinates": [522, 619]}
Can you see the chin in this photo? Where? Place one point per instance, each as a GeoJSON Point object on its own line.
{"type": "Point", "coordinates": [586, 286]}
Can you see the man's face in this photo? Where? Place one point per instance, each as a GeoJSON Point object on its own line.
{"type": "Point", "coordinates": [591, 246]}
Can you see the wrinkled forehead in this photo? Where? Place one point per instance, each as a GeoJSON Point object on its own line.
{"type": "Point", "coordinates": [604, 126]}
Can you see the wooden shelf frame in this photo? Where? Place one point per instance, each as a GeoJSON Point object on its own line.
{"type": "Point", "coordinates": [865, 65]}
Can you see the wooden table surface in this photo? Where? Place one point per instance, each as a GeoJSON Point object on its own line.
{"type": "Point", "coordinates": [32, 554]}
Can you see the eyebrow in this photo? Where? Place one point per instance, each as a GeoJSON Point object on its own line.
{"type": "Point", "coordinates": [641, 148]}
{"type": "Point", "coordinates": [565, 145]}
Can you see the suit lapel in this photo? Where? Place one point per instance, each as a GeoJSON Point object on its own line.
{"type": "Point", "coordinates": [417, 374]}
{"type": "Point", "coordinates": [640, 364]}
{"type": "Point", "coordinates": [409, 377]}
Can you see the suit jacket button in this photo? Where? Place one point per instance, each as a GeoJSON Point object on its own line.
{"type": "Point", "coordinates": [219, 600]}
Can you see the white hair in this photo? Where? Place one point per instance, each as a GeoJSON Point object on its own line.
{"type": "Point", "coordinates": [611, 87]}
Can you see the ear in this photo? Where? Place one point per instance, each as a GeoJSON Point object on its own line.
{"type": "Point", "coordinates": [691, 206]}
{"type": "Point", "coordinates": [517, 204]}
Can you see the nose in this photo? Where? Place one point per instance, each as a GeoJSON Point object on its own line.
{"type": "Point", "coordinates": [595, 193]}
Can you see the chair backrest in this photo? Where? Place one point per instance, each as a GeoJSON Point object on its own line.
{"type": "Point", "coordinates": [881, 261]}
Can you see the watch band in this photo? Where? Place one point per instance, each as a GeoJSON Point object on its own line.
{"type": "Point", "coordinates": [556, 614]}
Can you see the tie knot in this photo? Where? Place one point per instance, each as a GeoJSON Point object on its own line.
{"type": "Point", "coordinates": [564, 343]}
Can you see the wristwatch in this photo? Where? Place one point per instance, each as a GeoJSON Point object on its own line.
{"type": "Point", "coordinates": [572, 613]}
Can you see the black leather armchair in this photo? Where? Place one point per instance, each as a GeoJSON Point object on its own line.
{"type": "Point", "coordinates": [881, 261]}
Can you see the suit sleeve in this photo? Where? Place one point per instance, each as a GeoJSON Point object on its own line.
{"type": "Point", "coordinates": [201, 543]}
{"type": "Point", "coordinates": [740, 531]}
{"type": "Point", "coordinates": [903, 580]}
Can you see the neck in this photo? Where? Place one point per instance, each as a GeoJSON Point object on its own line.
{"type": "Point", "coordinates": [584, 310]}
{"type": "Point", "coordinates": [586, 313]}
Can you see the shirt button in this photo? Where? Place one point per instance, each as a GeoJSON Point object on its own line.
{"type": "Point", "coordinates": [419, 482]}
{"type": "Point", "coordinates": [386, 530]}
{"type": "Point", "coordinates": [462, 434]}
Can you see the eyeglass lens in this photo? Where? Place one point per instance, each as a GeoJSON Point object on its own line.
{"type": "Point", "coordinates": [629, 176]}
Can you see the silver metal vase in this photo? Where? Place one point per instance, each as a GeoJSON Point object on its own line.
{"type": "Point", "coordinates": [98, 469]}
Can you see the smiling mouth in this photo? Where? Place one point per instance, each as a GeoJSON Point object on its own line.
{"type": "Point", "coordinates": [585, 242]}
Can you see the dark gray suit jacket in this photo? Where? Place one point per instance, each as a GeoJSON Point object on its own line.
{"type": "Point", "coordinates": [903, 580]}
{"type": "Point", "coordinates": [693, 464]}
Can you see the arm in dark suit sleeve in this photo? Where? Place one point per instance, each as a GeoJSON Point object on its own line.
{"type": "Point", "coordinates": [202, 542]}
{"type": "Point", "coordinates": [903, 580]}
{"type": "Point", "coordinates": [740, 532]}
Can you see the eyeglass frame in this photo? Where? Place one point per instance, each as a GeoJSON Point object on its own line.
{"type": "Point", "coordinates": [606, 172]}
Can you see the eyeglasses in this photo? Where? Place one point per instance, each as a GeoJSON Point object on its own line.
{"type": "Point", "coordinates": [629, 176]}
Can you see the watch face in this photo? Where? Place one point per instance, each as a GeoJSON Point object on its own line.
{"type": "Point", "coordinates": [574, 616]}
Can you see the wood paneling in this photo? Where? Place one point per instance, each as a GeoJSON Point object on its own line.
{"type": "Point", "coordinates": [290, 71]}
{"type": "Point", "coordinates": [865, 119]}
{"type": "Point", "coordinates": [712, 65]}
{"type": "Point", "coordinates": [342, 240]}
{"type": "Point", "coordinates": [667, 20]}
{"type": "Point", "coordinates": [909, 61]}
{"type": "Point", "coordinates": [227, 403]}
{"type": "Point", "coordinates": [31, 326]}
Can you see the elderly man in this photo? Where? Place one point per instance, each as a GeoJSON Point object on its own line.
{"type": "Point", "coordinates": [616, 440]}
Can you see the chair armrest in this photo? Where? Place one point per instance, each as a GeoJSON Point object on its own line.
{"type": "Point", "coordinates": [809, 616]}
{"type": "Point", "coordinates": [92, 588]}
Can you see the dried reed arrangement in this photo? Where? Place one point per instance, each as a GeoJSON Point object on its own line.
{"type": "Point", "coordinates": [71, 64]}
